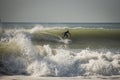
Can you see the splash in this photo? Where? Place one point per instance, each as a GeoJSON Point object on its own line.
{"type": "Point", "coordinates": [65, 41]}
{"type": "Point", "coordinates": [43, 60]}
{"type": "Point", "coordinates": [36, 28]}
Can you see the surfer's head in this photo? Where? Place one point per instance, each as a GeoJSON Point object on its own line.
{"type": "Point", "coordinates": [67, 31]}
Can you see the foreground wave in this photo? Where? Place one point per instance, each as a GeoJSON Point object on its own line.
{"type": "Point", "coordinates": [18, 55]}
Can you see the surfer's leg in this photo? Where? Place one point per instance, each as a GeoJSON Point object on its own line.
{"type": "Point", "coordinates": [66, 36]}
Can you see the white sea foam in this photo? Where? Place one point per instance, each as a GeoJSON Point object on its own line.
{"type": "Point", "coordinates": [66, 41]}
{"type": "Point", "coordinates": [46, 61]}
{"type": "Point", "coordinates": [36, 28]}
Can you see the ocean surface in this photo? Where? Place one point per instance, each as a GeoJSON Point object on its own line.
{"type": "Point", "coordinates": [39, 49]}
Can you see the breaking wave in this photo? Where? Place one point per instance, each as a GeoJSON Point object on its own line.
{"type": "Point", "coordinates": [18, 55]}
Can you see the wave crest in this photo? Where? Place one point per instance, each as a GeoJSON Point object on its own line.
{"type": "Point", "coordinates": [43, 60]}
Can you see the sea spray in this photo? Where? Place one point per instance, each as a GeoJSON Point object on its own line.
{"type": "Point", "coordinates": [44, 60]}
{"type": "Point", "coordinates": [67, 63]}
{"type": "Point", "coordinates": [26, 46]}
{"type": "Point", "coordinates": [65, 41]}
{"type": "Point", "coordinates": [36, 28]}
{"type": "Point", "coordinates": [10, 56]}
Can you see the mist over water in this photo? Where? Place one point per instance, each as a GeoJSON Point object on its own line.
{"type": "Point", "coordinates": [41, 51]}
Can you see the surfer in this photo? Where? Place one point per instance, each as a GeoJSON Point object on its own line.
{"type": "Point", "coordinates": [66, 34]}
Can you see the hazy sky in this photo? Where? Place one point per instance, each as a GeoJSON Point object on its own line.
{"type": "Point", "coordinates": [60, 10]}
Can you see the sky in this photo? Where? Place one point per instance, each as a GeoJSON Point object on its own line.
{"type": "Point", "coordinates": [60, 11]}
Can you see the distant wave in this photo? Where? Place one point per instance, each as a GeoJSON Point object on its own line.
{"type": "Point", "coordinates": [41, 27]}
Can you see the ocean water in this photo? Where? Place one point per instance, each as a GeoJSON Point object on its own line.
{"type": "Point", "coordinates": [39, 49]}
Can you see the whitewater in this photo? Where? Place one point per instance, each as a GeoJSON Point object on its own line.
{"type": "Point", "coordinates": [20, 56]}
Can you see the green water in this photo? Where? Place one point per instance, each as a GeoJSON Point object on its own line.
{"type": "Point", "coordinates": [43, 50]}
{"type": "Point", "coordinates": [81, 38]}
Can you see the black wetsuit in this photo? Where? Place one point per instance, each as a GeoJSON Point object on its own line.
{"type": "Point", "coordinates": [66, 34]}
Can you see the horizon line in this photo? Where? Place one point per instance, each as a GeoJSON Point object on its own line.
{"type": "Point", "coordinates": [55, 22]}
